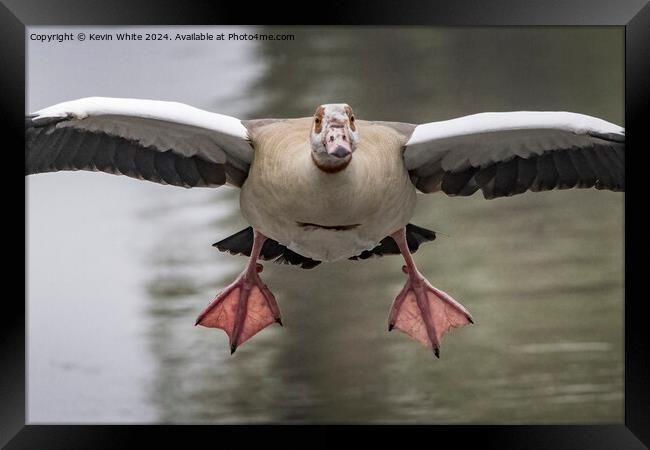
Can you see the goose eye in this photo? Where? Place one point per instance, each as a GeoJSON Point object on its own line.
{"type": "Point", "coordinates": [317, 120]}
{"type": "Point", "coordinates": [351, 118]}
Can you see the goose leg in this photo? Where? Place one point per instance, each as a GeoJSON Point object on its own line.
{"type": "Point", "coordinates": [420, 310]}
{"type": "Point", "coordinates": [245, 307]}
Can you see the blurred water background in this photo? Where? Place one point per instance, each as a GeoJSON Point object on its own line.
{"type": "Point", "coordinates": [118, 269]}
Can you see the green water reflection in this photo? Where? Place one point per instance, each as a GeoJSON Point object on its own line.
{"type": "Point", "coordinates": [542, 273]}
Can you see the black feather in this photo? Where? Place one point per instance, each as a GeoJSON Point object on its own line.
{"type": "Point", "coordinates": [69, 148]}
{"type": "Point", "coordinates": [546, 178]}
{"type": "Point", "coordinates": [34, 149]}
{"type": "Point", "coordinates": [49, 148]}
{"type": "Point", "coordinates": [87, 151]}
{"type": "Point", "coordinates": [567, 177]}
{"type": "Point", "coordinates": [616, 172]}
{"type": "Point", "coordinates": [241, 243]}
{"type": "Point", "coordinates": [104, 160]}
{"type": "Point", "coordinates": [505, 180]}
{"type": "Point", "coordinates": [586, 175]}
{"type": "Point", "coordinates": [144, 163]}
{"type": "Point", "coordinates": [526, 171]}
{"type": "Point", "coordinates": [186, 169]}
{"type": "Point", "coordinates": [213, 174]}
{"type": "Point", "coordinates": [124, 158]}
{"type": "Point", "coordinates": [455, 183]}
{"type": "Point", "coordinates": [604, 178]}
{"type": "Point", "coordinates": [415, 236]}
{"type": "Point", "coordinates": [164, 164]}
{"type": "Point", "coordinates": [485, 180]}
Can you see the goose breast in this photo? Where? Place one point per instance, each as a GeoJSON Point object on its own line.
{"type": "Point", "coordinates": [327, 216]}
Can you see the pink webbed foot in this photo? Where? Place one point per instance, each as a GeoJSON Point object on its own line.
{"type": "Point", "coordinates": [422, 311]}
{"type": "Point", "coordinates": [244, 308]}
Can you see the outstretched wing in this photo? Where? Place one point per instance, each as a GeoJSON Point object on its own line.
{"type": "Point", "coordinates": [163, 142]}
{"type": "Point", "coordinates": [508, 153]}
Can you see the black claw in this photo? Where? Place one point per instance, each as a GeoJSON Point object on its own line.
{"type": "Point", "coordinates": [391, 326]}
{"type": "Point", "coordinates": [436, 352]}
{"type": "Point", "coordinates": [470, 320]}
{"type": "Point", "coordinates": [197, 322]}
{"type": "Point", "coordinates": [233, 348]}
{"type": "Point", "coordinates": [278, 320]}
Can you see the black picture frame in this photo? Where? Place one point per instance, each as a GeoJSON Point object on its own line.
{"type": "Point", "coordinates": [634, 15]}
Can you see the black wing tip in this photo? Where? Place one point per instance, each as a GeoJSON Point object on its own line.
{"type": "Point", "coordinates": [34, 121]}
{"type": "Point", "coordinates": [612, 137]}
{"type": "Point", "coordinates": [29, 121]}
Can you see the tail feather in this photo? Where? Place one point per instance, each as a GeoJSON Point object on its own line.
{"type": "Point", "coordinates": [415, 236]}
{"type": "Point", "coordinates": [241, 243]}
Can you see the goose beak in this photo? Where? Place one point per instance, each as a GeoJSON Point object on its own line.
{"type": "Point", "coordinates": [337, 141]}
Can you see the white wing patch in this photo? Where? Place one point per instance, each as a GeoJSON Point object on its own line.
{"type": "Point", "coordinates": [160, 123]}
{"type": "Point", "coordinates": [516, 120]}
{"type": "Point", "coordinates": [147, 109]}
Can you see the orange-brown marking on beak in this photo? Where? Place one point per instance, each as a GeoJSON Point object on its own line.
{"type": "Point", "coordinates": [318, 119]}
{"type": "Point", "coordinates": [350, 114]}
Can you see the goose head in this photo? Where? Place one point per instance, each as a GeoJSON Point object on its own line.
{"type": "Point", "coordinates": [334, 137]}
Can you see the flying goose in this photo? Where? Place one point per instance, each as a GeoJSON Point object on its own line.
{"type": "Point", "coordinates": [328, 187]}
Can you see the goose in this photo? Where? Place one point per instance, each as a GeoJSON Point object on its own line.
{"type": "Point", "coordinates": [328, 187]}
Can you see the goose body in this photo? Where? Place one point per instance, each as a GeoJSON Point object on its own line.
{"type": "Point", "coordinates": [355, 208]}
{"type": "Point", "coordinates": [328, 187]}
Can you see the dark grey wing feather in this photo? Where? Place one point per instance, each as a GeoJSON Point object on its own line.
{"type": "Point", "coordinates": [543, 151]}
{"type": "Point", "coordinates": [162, 142]}
{"type": "Point", "coordinates": [48, 149]}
